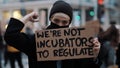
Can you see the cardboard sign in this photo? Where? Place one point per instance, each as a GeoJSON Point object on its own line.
{"type": "Point", "coordinates": [93, 24]}
{"type": "Point", "coordinates": [64, 43]}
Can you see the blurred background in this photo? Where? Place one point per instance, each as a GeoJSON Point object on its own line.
{"type": "Point", "coordinates": [83, 10]}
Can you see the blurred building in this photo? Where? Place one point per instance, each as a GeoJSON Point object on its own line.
{"type": "Point", "coordinates": [84, 10]}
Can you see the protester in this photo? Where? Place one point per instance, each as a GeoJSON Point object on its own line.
{"type": "Point", "coordinates": [1, 48]}
{"type": "Point", "coordinates": [110, 38]}
{"type": "Point", "coordinates": [118, 56]}
{"type": "Point", "coordinates": [13, 55]}
{"type": "Point", "coordinates": [60, 17]}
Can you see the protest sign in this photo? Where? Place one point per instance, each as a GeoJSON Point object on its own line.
{"type": "Point", "coordinates": [64, 43]}
{"type": "Point", "coordinates": [95, 24]}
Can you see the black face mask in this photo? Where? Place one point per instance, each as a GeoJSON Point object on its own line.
{"type": "Point", "coordinates": [55, 26]}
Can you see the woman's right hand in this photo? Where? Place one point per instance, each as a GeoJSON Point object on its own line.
{"type": "Point", "coordinates": [32, 17]}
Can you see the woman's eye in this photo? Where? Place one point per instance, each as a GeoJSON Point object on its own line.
{"type": "Point", "coordinates": [56, 20]}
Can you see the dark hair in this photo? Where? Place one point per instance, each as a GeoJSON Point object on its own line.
{"type": "Point", "coordinates": [111, 34]}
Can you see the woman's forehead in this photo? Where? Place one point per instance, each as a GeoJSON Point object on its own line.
{"type": "Point", "coordinates": [61, 15]}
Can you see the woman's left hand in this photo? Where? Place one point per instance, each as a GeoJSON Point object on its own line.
{"type": "Point", "coordinates": [96, 47]}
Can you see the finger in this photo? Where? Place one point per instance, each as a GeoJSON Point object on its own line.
{"type": "Point", "coordinates": [95, 41]}
{"type": "Point", "coordinates": [34, 17]}
{"type": "Point", "coordinates": [96, 44]}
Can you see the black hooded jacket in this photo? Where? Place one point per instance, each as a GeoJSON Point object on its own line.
{"type": "Point", "coordinates": [25, 43]}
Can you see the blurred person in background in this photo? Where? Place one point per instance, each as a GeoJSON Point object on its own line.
{"type": "Point", "coordinates": [118, 53]}
{"type": "Point", "coordinates": [1, 47]}
{"type": "Point", "coordinates": [60, 17]}
{"type": "Point", "coordinates": [118, 56]}
{"type": "Point", "coordinates": [110, 38]}
{"type": "Point", "coordinates": [13, 55]}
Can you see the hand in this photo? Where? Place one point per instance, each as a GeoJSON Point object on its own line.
{"type": "Point", "coordinates": [96, 47]}
{"type": "Point", "coordinates": [32, 17]}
